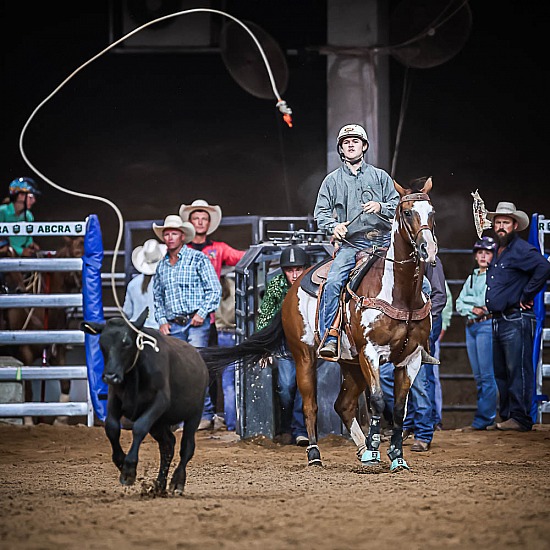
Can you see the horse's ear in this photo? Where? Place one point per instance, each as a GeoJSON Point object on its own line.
{"type": "Point", "coordinates": [427, 186]}
{"type": "Point", "coordinates": [140, 321]}
{"type": "Point", "coordinates": [401, 190]}
{"type": "Point", "coordinates": [92, 328]}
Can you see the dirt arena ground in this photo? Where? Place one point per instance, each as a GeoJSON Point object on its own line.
{"type": "Point", "coordinates": [59, 489]}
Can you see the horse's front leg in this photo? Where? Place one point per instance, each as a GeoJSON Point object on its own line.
{"type": "Point", "coordinates": [306, 379]}
{"type": "Point", "coordinates": [369, 361]}
{"type": "Point", "coordinates": [403, 377]}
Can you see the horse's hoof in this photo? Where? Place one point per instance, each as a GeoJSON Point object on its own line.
{"type": "Point", "coordinates": [370, 458]}
{"type": "Point", "coordinates": [398, 465]}
{"type": "Point", "coordinates": [314, 456]}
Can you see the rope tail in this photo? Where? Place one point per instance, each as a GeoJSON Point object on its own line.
{"type": "Point", "coordinates": [261, 344]}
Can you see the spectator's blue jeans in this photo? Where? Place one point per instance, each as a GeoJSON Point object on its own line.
{"type": "Point", "coordinates": [513, 364]}
{"type": "Point", "coordinates": [197, 337]}
{"type": "Point", "coordinates": [479, 344]}
{"type": "Point", "coordinates": [292, 415]}
{"type": "Point", "coordinates": [421, 408]}
{"type": "Point", "coordinates": [226, 339]}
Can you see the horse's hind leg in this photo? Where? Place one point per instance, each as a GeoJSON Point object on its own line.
{"type": "Point", "coordinates": [166, 440]}
{"type": "Point", "coordinates": [187, 450]}
{"type": "Point", "coordinates": [306, 379]}
{"type": "Point", "coordinates": [353, 386]}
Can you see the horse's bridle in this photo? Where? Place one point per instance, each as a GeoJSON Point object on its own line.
{"type": "Point", "coordinates": [412, 238]}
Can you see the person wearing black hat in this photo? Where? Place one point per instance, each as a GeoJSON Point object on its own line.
{"type": "Point", "coordinates": [479, 334]}
{"type": "Point", "coordinates": [516, 275]}
{"type": "Point", "coordinates": [17, 208]}
{"type": "Point", "coordinates": [292, 261]}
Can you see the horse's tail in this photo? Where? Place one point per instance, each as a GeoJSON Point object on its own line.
{"type": "Point", "coordinates": [265, 342]}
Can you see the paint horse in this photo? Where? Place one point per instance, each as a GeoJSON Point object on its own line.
{"type": "Point", "coordinates": [389, 320]}
{"type": "Point", "coordinates": [40, 318]}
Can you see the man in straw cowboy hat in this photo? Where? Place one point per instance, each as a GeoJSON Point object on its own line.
{"type": "Point", "coordinates": [139, 293]}
{"type": "Point", "coordinates": [186, 290]}
{"type": "Point", "coordinates": [516, 274]}
{"type": "Point", "coordinates": [206, 218]}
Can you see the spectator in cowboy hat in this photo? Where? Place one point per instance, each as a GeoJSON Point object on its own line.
{"type": "Point", "coordinates": [186, 291]}
{"type": "Point", "coordinates": [516, 274]}
{"type": "Point", "coordinates": [206, 219]}
{"type": "Point", "coordinates": [139, 293]}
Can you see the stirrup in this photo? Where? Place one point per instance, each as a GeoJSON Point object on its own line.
{"type": "Point", "coordinates": [427, 358]}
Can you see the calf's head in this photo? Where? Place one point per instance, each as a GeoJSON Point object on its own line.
{"type": "Point", "coordinates": [118, 345]}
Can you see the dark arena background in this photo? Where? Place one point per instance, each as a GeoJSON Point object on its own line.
{"type": "Point", "coordinates": [153, 125]}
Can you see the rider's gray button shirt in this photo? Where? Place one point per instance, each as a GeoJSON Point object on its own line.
{"type": "Point", "coordinates": [342, 193]}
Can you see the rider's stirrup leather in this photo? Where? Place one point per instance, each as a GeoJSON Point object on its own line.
{"type": "Point", "coordinates": [330, 349]}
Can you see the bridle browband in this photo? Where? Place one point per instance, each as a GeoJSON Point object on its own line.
{"type": "Point", "coordinates": [412, 238]}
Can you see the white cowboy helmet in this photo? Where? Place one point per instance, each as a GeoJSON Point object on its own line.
{"type": "Point", "coordinates": [215, 213]}
{"type": "Point", "coordinates": [175, 222]}
{"type": "Point", "coordinates": [146, 257]}
{"type": "Point", "coordinates": [352, 130]}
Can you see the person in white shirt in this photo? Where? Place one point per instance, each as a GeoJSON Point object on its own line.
{"type": "Point", "coordinates": [139, 292]}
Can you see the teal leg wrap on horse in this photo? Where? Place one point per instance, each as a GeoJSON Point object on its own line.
{"type": "Point", "coordinates": [370, 457]}
{"type": "Point", "coordinates": [399, 464]}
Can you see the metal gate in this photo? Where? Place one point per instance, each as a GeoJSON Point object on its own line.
{"type": "Point", "coordinates": [44, 337]}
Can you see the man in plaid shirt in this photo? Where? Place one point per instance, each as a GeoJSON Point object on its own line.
{"type": "Point", "coordinates": [186, 290]}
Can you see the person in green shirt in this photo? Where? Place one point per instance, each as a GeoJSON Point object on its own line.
{"type": "Point", "coordinates": [292, 261]}
{"type": "Point", "coordinates": [17, 208]}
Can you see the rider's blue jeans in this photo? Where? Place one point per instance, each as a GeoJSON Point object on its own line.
{"type": "Point", "coordinates": [479, 345]}
{"type": "Point", "coordinates": [197, 337]}
{"type": "Point", "coordinates": [337, 277]}
{"type": "Point", "coordinates": [292, 415]}
{"type": "Point", "coordinates": [513, 364]}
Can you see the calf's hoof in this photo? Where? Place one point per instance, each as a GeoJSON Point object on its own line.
{"type": "Point", "coordinates": [177, 488]}
{"type": "Point", "coordinates": [128, 475]}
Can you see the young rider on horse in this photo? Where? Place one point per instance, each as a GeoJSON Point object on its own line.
{"type": "Point", "coordinates": [364, 200]}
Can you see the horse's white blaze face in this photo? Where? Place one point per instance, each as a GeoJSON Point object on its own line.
{"type": "Point", "coordinates": [307, 305]}
{"type": "Point", "coordinates": [424, 209]}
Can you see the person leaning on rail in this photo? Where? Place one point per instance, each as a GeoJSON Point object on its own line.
{"type": "Point", "coordinates": [17, 208]}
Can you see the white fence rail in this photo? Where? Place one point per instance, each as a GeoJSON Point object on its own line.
{"type": "Point", "coordinates": [44, 337]}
